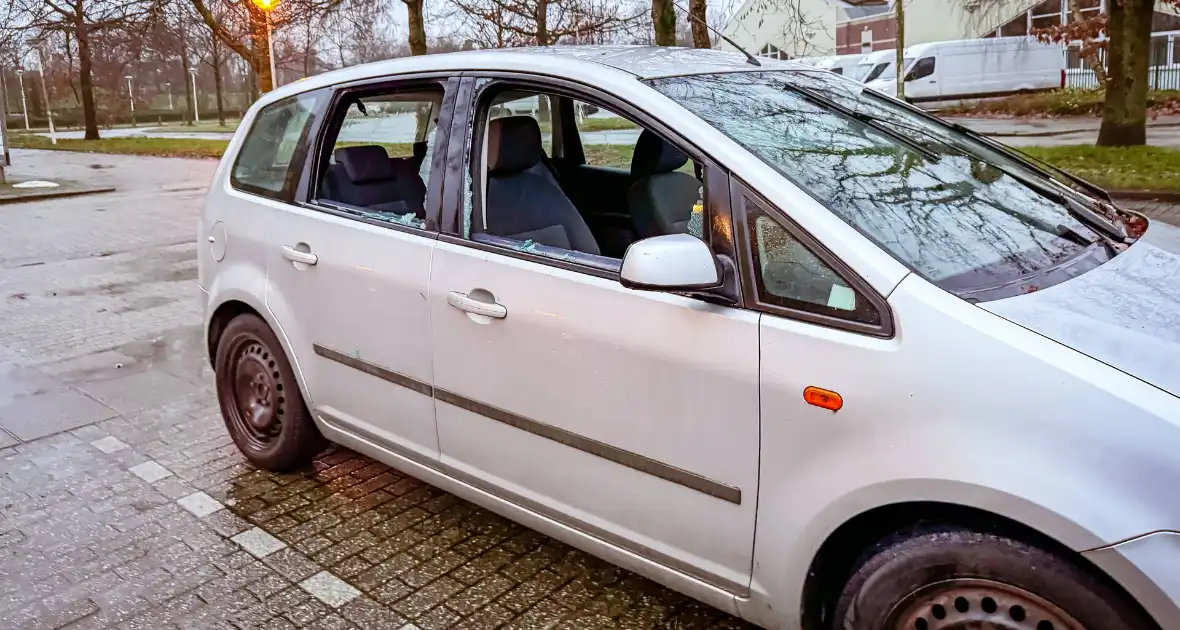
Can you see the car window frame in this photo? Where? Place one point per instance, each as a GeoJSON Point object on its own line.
{"type": "Point", "coordinates": [740, 192]}
{"type": "Point", "coordinates": [718, 224]}
{"type": "Point", "coordinates": [328, 126]}
{"type": "Point", "coordinates": [289, 194]}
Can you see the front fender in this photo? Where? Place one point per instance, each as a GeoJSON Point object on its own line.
{"type": "Point", "coordinates": [1045, 486]}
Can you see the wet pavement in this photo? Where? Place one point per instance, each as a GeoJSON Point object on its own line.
{"type": "Point", "coordinates": [124, 504]}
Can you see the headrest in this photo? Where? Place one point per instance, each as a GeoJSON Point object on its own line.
{"type": "Point", "coordinates": [514, 144]}
{"type": "Point", "coordinates": [653, 155]}
{"type": "Point", "coordinates": [365, 164]}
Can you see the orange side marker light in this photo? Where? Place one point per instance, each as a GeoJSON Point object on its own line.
{"type": "Point", "coordinates": [823, 398]}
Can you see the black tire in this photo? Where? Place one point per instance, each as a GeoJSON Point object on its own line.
{"type": "Point", "coordinates": [939, 578]}
{"type": "Point", "coordinates": [260, 399]}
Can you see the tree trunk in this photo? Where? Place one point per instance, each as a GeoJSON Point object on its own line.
{"type": "Point", "coordinates": [190, 100]}
{"type": "Point", "coordinates": [260, 42]}
{"type": "Point", "coordinates": [89, 113]}
{"type": "Point", "coordinates": [699, 18]}
{"type": "Point", "coordinates": [215, 57]}
{"type": "Point", "coordinates": [663, 18]}
{"type": "Point", "coordinates": [417, 27]}
{"type": "Point", "coordinates": [1124, 114]}
{"type": "Point", "coordinates": [541, 17]}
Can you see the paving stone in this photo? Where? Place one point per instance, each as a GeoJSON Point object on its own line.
{"type": "Point", "coordinates": [39, 415]}
{"type": "Point", "coordinates": [109, 444]}
{"type": "Point", "coordinates": [7, 440]}
{"type": "Point", "coordinates": [258, 542]}
{"type": "Point", "coordinates": [199, 504]}
{"type": "Point", "coordinates": [329, 589]}
{"type": "Point", "coordinates": [150, 471]}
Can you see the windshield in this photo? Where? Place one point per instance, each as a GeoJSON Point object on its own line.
{"type": "Point", "coordinates": [880, 71]}
{"type": "Point", "coordinates": [945, 205]}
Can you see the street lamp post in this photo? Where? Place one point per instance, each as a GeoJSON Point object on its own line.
{"type": "Point", "coordinates": [196, 102]}
{"type": "Point", "coordinates": [24, 106]}
{"type": "Point", "coordinates": [37, 43]}
{"type": "Point", "coordinates": [168, 85]}
{"type": "Point", "coordinates": [131, 99]}
{"type": "Point", "coordinates": [266, 6]}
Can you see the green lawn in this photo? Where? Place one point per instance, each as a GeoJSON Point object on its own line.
{"type": "Point", "coordinates": [167, 147]}
{"type": "Point", "coordinates": [1130, 168]}
{"type": "Point", "coordinates": [1134, 168]}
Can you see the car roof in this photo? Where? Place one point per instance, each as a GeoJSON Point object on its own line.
{"type": "Point", "coordinates": [594, 64]}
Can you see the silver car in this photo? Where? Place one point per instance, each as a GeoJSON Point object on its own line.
{"type": "Point", "coordinates": [778, 342]}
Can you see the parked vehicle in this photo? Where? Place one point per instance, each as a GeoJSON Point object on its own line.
{"type": "Point", "coordinates": [815, 358]}
{"type": "Point", "coordinates": [947, 73]}
{"type": "Point", "coordinates": [839, 64]}
{"type": "Point", "coordinates": [875, 65]}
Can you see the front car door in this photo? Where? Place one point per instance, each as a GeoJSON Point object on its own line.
{"type": "Point", "coordinates": [629, 416]}
{"type": "Point", "coordinates": [349, 266]}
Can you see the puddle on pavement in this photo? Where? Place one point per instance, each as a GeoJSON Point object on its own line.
{"type": "Point", "coordinates": [179, 352]}
{"type": "Point", "coordinates": [17, 381]}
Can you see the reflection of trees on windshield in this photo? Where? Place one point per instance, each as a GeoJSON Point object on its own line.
{"type": "Point", "coordinates": [951, 217]}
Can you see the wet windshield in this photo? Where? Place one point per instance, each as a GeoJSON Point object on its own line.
{"type": "Point", "coordinates": [948, 207]}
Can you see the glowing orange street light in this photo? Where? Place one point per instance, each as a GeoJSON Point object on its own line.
{"type": "Point", "coordinates": [266, 6]}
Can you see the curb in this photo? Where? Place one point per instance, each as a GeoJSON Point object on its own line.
{"type": "Point", "coordinates": [1167, 196]}
{"type": "Point", "coordinates": [57, 194]}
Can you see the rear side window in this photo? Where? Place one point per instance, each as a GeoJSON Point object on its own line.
{"type": "Point", "coordinates": [271, 154]}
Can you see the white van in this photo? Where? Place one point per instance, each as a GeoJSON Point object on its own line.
{"type": "Point", "coordinates": [840, 64]}
{"type": "Point", "coordinates": [946, 73]}
{"type": "Point", "coordinates": [875, 65]}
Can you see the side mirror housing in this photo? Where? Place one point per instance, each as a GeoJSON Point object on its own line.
{"type": "Point", "coordinates": [672, 262]}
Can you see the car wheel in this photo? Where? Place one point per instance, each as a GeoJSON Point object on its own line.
{"type": "Point", "coordinates": [951, 579]}
{"type": "Point", "coordinates": [260, 399]}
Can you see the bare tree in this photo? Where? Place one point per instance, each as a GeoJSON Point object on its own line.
{"type": "Point", "coordinates": [83, 20]}
{"type": "Point", "coordinates": [499, 23]}
{"type": "Point", "coordinates": [1124, 31]}
{"type": "Point", "coordinates": [243, 28]}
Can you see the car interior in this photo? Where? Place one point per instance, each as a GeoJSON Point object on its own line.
{"type": "Point", "coordinates": [558, 199]}
{"type": "Point", "coordinates": [536, 183]}
{"type": "Point", "coordinates": [379, 160]}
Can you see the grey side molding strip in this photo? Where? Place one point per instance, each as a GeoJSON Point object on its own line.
{"type": "Point", "coordinates": [605, 451]}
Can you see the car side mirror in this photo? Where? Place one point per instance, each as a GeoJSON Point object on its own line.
{"type": "Point", "coordinates": [672, 262]}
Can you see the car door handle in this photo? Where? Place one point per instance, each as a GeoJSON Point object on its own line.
{"type": "Point", "coordinates": [468, 304]}
{"type": "Point", "coordinates": [294, 255]}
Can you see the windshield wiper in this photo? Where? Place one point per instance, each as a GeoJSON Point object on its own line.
{"type": "Point", "coordinates": [868, 120]}
{"type": "Point", "coordinates": [1092, 219]}
{"type": "Point", "coordinates": [1036, 163]}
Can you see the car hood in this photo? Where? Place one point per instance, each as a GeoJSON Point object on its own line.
{"type": "Point", "coordinates": [1125, 313]}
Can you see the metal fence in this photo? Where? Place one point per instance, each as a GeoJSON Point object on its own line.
{"type": "Point", "coordinates": [1160, 78]}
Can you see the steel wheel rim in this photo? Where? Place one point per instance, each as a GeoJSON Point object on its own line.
{"type": "Point", "coordinates": [252, 396]}
{"type": "Point", "coordinates": [969, 603]}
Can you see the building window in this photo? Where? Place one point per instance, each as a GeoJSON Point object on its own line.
{"type": "Point", "coordinates": [773, 52]}
{"type": "Point", "coordinates": [866, 41]}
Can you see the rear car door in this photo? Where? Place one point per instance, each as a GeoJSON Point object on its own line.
{"type": "Point", "coordinates": [629, 416]}
{"type": "Point", "coordinates": [348, 267]}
